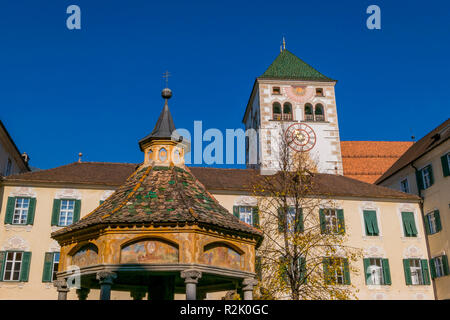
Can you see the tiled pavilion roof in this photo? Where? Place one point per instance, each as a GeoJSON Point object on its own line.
{"type": "Point", "coordinates": [161, 195]}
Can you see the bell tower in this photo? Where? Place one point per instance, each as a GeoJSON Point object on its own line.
{"type": "Point", "coordinates": [293, 99]}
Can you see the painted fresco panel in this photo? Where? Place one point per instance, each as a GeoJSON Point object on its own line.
{"type": "Point", "coordinates": [86, 256]}
{"type": "Point", "coordinates": [221, 255]}
{"type": "Point", "coordinates": [149, 251]}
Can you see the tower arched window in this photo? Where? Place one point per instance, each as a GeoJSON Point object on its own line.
{"type": "Point", "coordinates": [319, 115]}
{"type": "Point", "coordinates": [276, 111]}
{"type": "Point", "coordinates": [309, 116]}
{"type": "Point", "coordinates": [287, 111]}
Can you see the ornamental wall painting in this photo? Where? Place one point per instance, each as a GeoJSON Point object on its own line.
{"type": "Point", "coordinates": [86, 256]}
{"type": "Point", "coordinates": [300, 94]}
{"type": "Point", "coordinates": [218, 254]}
{"type": "Point", "coordinates": [149, 251]}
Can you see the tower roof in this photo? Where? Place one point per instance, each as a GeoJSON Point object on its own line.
{"type": "Point", "coordinates": [287, 66]}
{"type": "Point", "coordinates": [159, 196]}
{"type": "Point", "coordinates": [164, 126]}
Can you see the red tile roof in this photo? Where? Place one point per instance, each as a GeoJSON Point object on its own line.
{"type": "Point", "coordinates": [368, 160]}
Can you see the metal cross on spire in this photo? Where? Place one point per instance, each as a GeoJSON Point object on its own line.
{"type": "Point", "coordinates": [166, 75]}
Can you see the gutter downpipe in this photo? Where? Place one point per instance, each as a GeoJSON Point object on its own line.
{"type": "Point", "coordinates": [419, 193]}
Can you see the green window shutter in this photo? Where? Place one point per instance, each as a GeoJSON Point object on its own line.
{"type": "Point", "coordinates": [406, 227]}
{"type": "Point", "coordinates": [409, 224]}
{"type": "Point", "coordinates": [433, 268]}
{"type": "Point", "coordinates": [284, 270]}
{"type": "Point", "coordinates": [25, 269]}
{"type": "Point", "coordinates": [375, 223]}
{"type": "Point", "coordinates": [236, 211]}
{"type": "Point", "coordinates": [346, 272]}
{"type": "Point", "coordinates": [281, 220]}
{"type": "Point", "coordinates": [326, 271]}
{"type": "Point", "coordinates": [419, 180]}
{"type": "Point", "coordinates": [340, 215]}
{"type": "Point", "coordinates": [386, 272]}
{"type": "Point", "coordinates": [412, 223]}
{"type": "Point", "coordinates": [445, 168]}
{"type": "Point", "coordinates": [366, 269]}
{"type": "Point", "coordinates": [445, 263]}
{"type": "Point", "coordinates": [31, 210]}
{"type": "Point", "coordinates": [55, 211]}
{"type": "Point", "coordinates": [76, 211]}
{"type": "Point", "coordinates": [300, 226]}
{"type": "Point", "coordinates": [427, 223]}
{"type": "Point", "coordinates": [302, 267]}
{"type": "Point", "coordinates": [258, 267]}
{"type": "Point", "coordinates": [370, 221]}
{"type": "Point", "coordinates": [47, 275]}
{"type": "Point", "coordinates": [425, 271]}
{"type": "Point", "coordinates": [255, 216]}
{"type": "Point", "coordinates": [437, 219]}
{"type": "Point", "coordinates": [430, 167]}
{"type": "Point", "coordinates": [2, 263]}
{"type": "Point", "coordinates": [10, 205]}
{"type": "Point", "coordinates": [322, 221]}
{"type": "Point", "coordinates": [407, 270]}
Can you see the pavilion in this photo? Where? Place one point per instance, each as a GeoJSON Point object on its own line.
{"type": "Point", "coordinates": [160, 233]}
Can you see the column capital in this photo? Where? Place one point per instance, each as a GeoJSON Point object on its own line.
{"type": "Point", "coordinates": [191, 275]}
{"type": "Point", "coordinates": [61, 285]}
{"type": "Point", "coordinates": [248, 284]}
{"type": "Point", "coordinates": [106, 277]}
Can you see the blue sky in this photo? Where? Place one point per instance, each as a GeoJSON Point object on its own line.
{"type": "Point", "coordinates": [97, 90]}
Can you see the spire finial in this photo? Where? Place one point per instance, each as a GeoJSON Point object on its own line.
{"type": "Point", "coordinates": [284, 43]}
{"type": "Point", "coordinates": [166, 75]}
{"type": "Point", "coordinates": [166, 93]}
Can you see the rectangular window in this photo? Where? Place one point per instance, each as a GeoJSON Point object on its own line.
{"type": "Point", "coordinates": [370, 222]}
{"type": "Point", "coordinates": [404, 185]}
{"type": "Point", "coordinates": [290, 219]}
{"type": "Point", "coordinates": [431, 219]}
{"type": "Point", "coordinates": [427, 176]}
{"type": "Point", "coordinates": [276, 90]}
{"type": "Point", "coordinates": [445, 161]}
{"type": "Point", "coordinates": [409, 224]}
{"type": "Point", "coordinates": [331, 221]}
{"type": "Point", "coordinates": [416, 272]}
{"type": "Point", "coordinates": [246, 214]}
{"type": "Point", "coordinates": [66, 212]}
{"type": "Point", "coordinates": [319, 92]}
{"type": "Point", "coordinates": [13, 265]}
{"type": "Point", "coordinates": [439, 266]}
{"type": "Point", "coordinates": [374, 271]}
{"type": "Point", "coordinates": [21, 210]}
{"type": "Point", "coordinates": [55, 265]}
{"type": "Point", "coordinates": [336, 271]}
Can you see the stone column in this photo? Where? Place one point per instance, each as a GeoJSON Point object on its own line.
{"type": "Point", "coordinates": [137, 294]}
{"type": "Point", "coordinates": [83, 293]}
{"type": "Point", "coordinates": [62, 288]}
{"type": "Point", "coordinates": [191, 277]}
{"type": "Point", "coordinates": [105, 278]}
{"type": "Point", "coordinates": [247, 288]}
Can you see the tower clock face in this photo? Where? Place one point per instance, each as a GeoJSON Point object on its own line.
{"type": "Point", "coordinates": [300, 137]}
